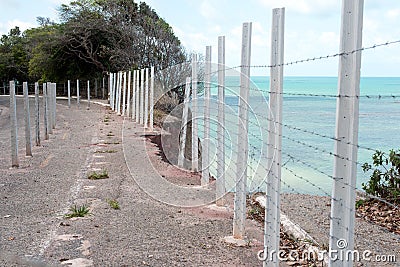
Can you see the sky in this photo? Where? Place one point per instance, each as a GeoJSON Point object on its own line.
{"type": "Point", "coordinates": [312, 29]}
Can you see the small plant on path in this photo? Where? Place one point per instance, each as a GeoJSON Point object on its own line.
{"type": "Point", "coordinates": [98, 176]}
{"type": "Point", "coordinates": [81, 211]}
{"type": "Point", "coordinates": [113, 204]}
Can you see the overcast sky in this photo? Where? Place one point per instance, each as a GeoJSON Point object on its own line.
{"type": "Point", "coordinates": [311, 30]}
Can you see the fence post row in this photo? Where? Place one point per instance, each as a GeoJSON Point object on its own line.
{"type": "Point", "coordinates": [274, 154]}
{"type": "Point", "coordinates": [347, 119]}
{"type": "Point", "coordinates": [195, 144]}
{"type": "Point", "coordinates": [220, 186]}
{"type": "Point", "coordinates": [239, 215]}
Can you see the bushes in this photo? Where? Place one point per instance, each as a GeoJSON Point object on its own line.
{"type": "Point", "coordinates": [385, 178]}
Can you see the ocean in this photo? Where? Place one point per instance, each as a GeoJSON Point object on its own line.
{"type": "Point", "coordinates": [309, 110]}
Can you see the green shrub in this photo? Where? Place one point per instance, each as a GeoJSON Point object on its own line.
{"type": "Point", "coordinates": [385, 178]}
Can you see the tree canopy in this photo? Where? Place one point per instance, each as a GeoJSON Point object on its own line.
{"type": "Point", "coordinates": [93, 36]}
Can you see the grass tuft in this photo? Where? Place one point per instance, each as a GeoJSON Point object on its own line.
{"type": "Point", "coordinates": [81, 211]}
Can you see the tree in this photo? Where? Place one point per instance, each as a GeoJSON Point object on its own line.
{"type": "Point", "coordinates": [13, 57]}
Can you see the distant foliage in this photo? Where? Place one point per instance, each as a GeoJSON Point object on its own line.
{"type": "Point", "coordinates": [385, 178]}
{"type": "Point", "coordinates": [93, 37]}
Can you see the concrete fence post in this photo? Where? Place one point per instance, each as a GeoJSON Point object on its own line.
{"type": "Point", "coordinates": [346, 136]}
{"type": "Point", "coordinates": [28, 139]}
{"type": "Point", "coordinates": [151, 99]}
{"type": "Point", "coordinates": [274, 151]}
{"type": "Point", "coordinates": [205, 175]}
{"type": "Point", "coordinates": [77, 94]}
{"type": "Point", "coordinates": [142, 97]}
{"type": "Point", "coordinates": [45, 112]}
{"type": "Point", "coordinates": [239, 216]}
{"type": "Point", "coordinates": [119, 91]}
{"type": "Point", "coordinates": [146, 100]}
{"type": "Point", "coordinates": [134, 96]}
{"type": "Point", "coordinates": [54, 101]}
{"type": "Point", "coordinates": [123, 93]}
{"type": "Point", "coordinates": [88, 94]}
{"type": "Point", "coordinates": [14, 127]}
{"type": "Point", "coordinates": [195, 143]}
{"type": "Point", "coordinates": [220, 186]}
{"type": "Point", "coordinates": [182, 141]}
{"type": "Point", "coordinates": [128, 101]}
{"type": "Point", "coordinates": [69, 94]}
{"type": "Point", "coordinates": [137, 96]}
{"type": "Point", "coordinates": [37, 115]}
{"type": "Point", "coordinates": [50, 108]}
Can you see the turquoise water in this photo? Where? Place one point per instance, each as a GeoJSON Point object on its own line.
{"type": "Point", "coordinates": [308, 162]}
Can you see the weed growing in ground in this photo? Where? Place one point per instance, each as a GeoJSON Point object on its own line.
{"type": "Point", "coordinates": [81, 211]}
{"type": "Point", "coordinates": [98, 176]}
{"type": "Point", "coordinates": [113, 204]}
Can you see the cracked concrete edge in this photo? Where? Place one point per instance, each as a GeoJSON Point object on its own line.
{"type": "Point", "coordinates": [299, 233]}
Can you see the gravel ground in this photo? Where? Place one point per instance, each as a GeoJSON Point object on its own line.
{"type": "Point", "coordinates": [144, 232]}
{"type": "Point", "coordinates": [312, 214]}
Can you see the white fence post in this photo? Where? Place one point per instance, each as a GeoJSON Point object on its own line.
{"type": "Point", "coordinates": [142, 97]}
{"type": "Point", "coordinates": [134, 96]}
{"type": "Point", "coordinates": [220, 186]}
{"type": "Point", "coordinates": [146, 100]}
{"type": "Point", "coordinates": [205, 175]}
{"type": "Point", "coordinates": [69, 94]}
{"type": "Point", "coordinates": [347, 120]}
{"type": "Point", "coordinates": [151, 98]}
{"type": "Point", "coordinates": [77, 94]}
{"type": "Point", "coordinates": [54, 100]}
{"type": "Point", "coordinates": [45, 112]}
{"type": "Point", "coordinates": [37, 115]}
{"type": "Point", "coordinates": [182, 143]}
{"type": "Point", "coordinates": [88, 94]}
{"type": "Point", "coordinates": [239, 216]}
{"type": "Point", "coordinates": [50, 108]}
{"type": "Point", "coordinates": [14, 127]}
{"type": "Point", "coordinates": [123, 76]}
{"type": "Point", "coordinates": [110, 91]}
{"type": "Point", "coordinates": [119, 91]}
{"type": "Point", "coordinates": [195, 142]}
{"type": "Point", "coordinates": [28, 139]}
{"type": "Point", "coordinates": [128, 101]}
{"type": "Point", "coordinates": [137, 119]}
{"type": "Point", "coordinates": [274, 152]}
